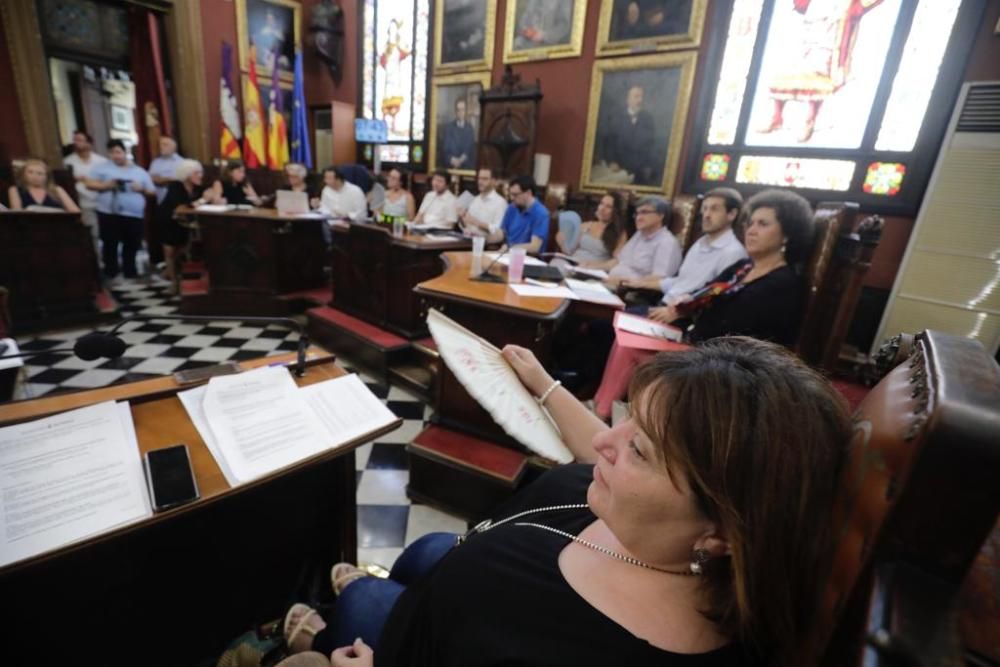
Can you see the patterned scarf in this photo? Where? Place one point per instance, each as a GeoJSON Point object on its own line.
{"type": "Point", "coordinates": [701, 298]}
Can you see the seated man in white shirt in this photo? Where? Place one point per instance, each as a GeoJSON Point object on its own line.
{"type": "Point", "coordinates": [653, 252]}
{"type": "Point", "coordinates": [710, 255]}
{"type": "Point", "coordinates": [438, 209]}
{"type": "Point", "coordinates": [485, 212]}
{"type": "Point", "coordinates": [342, 199]}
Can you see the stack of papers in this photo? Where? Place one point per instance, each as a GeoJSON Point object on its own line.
{"type": "Point", "coordinates": [505, 260]}
{"type": "Point", "coordinates": [68, 477]}
{"type": "Point", "coordinates": [594, 292]}
{"type": "Point", "coordinates": [216, 208]}
{"type": "Point", "coordinates": [591, 273]}
{"type": "Point", "coordinates": [645, 334]}
{"type": "Point", "coordinates": [259, 421]}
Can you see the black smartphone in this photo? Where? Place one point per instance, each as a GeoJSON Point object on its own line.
{"type": "Point", "coordinates": [170, 477]}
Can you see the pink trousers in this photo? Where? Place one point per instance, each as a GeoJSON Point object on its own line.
{"type": "Point", "coordinates": [622, 362]}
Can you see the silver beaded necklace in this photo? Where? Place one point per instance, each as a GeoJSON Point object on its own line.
{"type": "Point", "coordinates": [489, 524]}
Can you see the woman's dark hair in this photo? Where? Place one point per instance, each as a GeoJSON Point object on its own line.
{"type": "Point", "coordinates": [117, 143]}
{"type": "Point", "coordinates": [795, 216]}
{"type": "Point", "coordinates": [616, 227]}
{"type": "Point", "coordinates": [759, 437]}
{"type": "Point", "coordinates": [231, 166]}
{"type": "Point", "coordinates": [404, 177]}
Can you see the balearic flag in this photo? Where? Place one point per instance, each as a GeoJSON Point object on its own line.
{"type": "Point", "coordinates": [229, 144]}
{"type": "Point", "coordinates": [300, 126]}
{"type": "Point", "coordinates": [253, 124]}
{"type": "Point", "coordinates": [277, 129]}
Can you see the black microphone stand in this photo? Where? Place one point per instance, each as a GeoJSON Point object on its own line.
{"type": "Point", "coordinates": [485, 276]}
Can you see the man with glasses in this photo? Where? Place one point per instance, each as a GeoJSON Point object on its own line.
{"type": "Point", "coordinates": [652, 252]}
{"type": "Point", "coordinates": [526, 222]}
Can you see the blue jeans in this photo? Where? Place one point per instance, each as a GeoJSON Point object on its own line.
{"type": "Point", "coordinates": [364, 605]}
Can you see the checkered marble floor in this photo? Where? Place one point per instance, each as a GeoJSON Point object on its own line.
{"type": "Point", "coordinates": [387, 520]}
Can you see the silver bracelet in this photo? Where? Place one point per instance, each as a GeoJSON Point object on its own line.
{"type": "Point", "coordinates": [552, 387]}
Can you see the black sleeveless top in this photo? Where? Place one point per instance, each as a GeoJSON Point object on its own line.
{"type": "Point", "coordinates": [27, 200]}
{"type": "Point", "coordinates": [501, 600]}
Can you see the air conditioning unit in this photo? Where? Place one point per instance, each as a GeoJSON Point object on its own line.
{"type": "Point", "coordinates": [949, 279]}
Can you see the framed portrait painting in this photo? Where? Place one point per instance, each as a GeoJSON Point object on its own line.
{"type": "Point", "coordinates": [635, 26]}
{"type": "Point", "coordinates": [463, 35]}
{"type": "Point", "coordinates": [455, 122]}
{"type": "Point", "coordinates": [273, 27]}
{"type": "Point", "coordinates": [543, 29]}
{"type": "Point", "coordinates": [635, 122]}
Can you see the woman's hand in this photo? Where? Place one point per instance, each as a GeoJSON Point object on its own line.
{"type": "Point", "coordinates": [529, 370]}
{"type": "Point", "coordinates": [664, 314]}
{"type": "Point", "coordinates": [358, 654]}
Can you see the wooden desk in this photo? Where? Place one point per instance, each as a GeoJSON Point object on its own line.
{"type": "Point", "coordinates": [374, 274]}
{"type": "Point", "coordinates": [174, 588]}
{"type": "Point", "coordinates": [48, 263]}
{"type": "Point", "coordinates": [498, 314]}
{"type": "Point", "coordinates": [254, 256]}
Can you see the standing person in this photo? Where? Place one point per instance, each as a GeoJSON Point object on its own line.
{"type": "Point", "coordinates": [163, 169]}
{"type": "Point", "coordinates": [185, 190]}
{"type": "Point", "coordinates": [526, 222]}
{"type": "Point", "coordinates": [82, 160]}
{"type": "Point", "coordinates": [438, 207]}
{"type": "Point", "coordinates": [485, 213]}
{"type": "Point", "coordinates": [36, 190]}
{"type": "Point", "coordinates": [121, 204]}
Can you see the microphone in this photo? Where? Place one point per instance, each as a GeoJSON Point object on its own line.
{"type": "Point", "coordinates": [99, 344]}
{"type": "Point", "coordinates": [486, 276]}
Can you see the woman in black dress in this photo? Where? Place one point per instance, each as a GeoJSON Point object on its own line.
{"type": "Point", "coordinates": [236, 189]}
{"type": "Point", "coordinates": [695, 532]}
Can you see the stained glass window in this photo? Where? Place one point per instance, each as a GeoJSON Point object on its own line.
{"type": "Point", "coordinates": [795, 172]}
{"type": "Point", "coordinates": [394, 86]}
{"type": "Point", "coordinates": [715, 167]}
{"type": "Point", "coordinates": [832, 96]}
{"type": "Point", "coordinates": [884, 178]}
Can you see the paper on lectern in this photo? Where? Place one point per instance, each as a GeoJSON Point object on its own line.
{"type": "Point", "coordinates": [260, 422]}
{"type": "Point", "coordinates": [489, 379]}
{"type": "Point", "coordinates": [68, 477]}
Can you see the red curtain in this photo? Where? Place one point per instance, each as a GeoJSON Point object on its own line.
{"type": "Point", "coordinates": [146, 56]}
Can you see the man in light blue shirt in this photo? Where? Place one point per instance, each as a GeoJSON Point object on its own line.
{"type": "Point", "coordinates": [526, 222]}
{"type": "Point", "coordinates": [163, 170]}
{"type": "Point", "coordinates": [122, 189]}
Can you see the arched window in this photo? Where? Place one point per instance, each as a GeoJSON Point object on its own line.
{"type": "Point", "coordinates": [832, 97]}
{"type": "Point", "coordinates": [394, 78]}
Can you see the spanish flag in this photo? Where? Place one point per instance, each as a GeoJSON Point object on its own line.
{"type": "Point", "coordinates": [277, 128]}
{"type": "Point", "coordinates": [253, 120]}
{"type": "Point", "coordinates": [229, 141]}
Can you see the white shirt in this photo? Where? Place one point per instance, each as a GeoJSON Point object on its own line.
{"type": "Point", "coordinates": [704, 261]}
{"type": "Point", "coordinates": [81, 169]}
{"type": "Point", "coordinates": [439, 209]}
{"type": "Point", "coordinates": [348, 202]}
{"type": "Point", "coordinates": [165, 167]}
{"type": "Point", "coordinates": [489, 209]}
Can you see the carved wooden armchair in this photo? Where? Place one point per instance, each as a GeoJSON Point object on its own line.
{"type": "Point", "coordinates": [918, 497]}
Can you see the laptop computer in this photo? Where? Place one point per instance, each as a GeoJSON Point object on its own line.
{"type": "Point", "coordinates": [290, 202]}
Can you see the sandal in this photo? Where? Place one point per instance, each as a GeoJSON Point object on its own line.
{"type": "Point", "coordinates": [301, 627]}
{"type": "Point", "coordinates": [342, 574]}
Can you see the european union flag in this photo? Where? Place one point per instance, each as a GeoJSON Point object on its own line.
{"type": "Point", "coordinates": [300, 124]}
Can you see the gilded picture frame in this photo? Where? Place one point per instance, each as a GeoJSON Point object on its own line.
{"type": "Point", "coordinates": [269, 24]}
{"type": "Point", "coordinates": [446, 92]}
{"type": "Point", "coordinates": [451, 53]}
{"type": "Point", "coordinates": [565, 20]}
{"type": "Point", "coordinates": [627, 146]}
{"type": "Point", "coordinates": [678, 25]}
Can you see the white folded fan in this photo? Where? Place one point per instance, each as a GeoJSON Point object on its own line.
{"type": "Point", "coordinates": [489, 379]}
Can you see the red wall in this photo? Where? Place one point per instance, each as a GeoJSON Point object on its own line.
{"type": "Point", "coordinates": [218, 24]}
{"type": "Point", "coordinates": [13, 143]}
